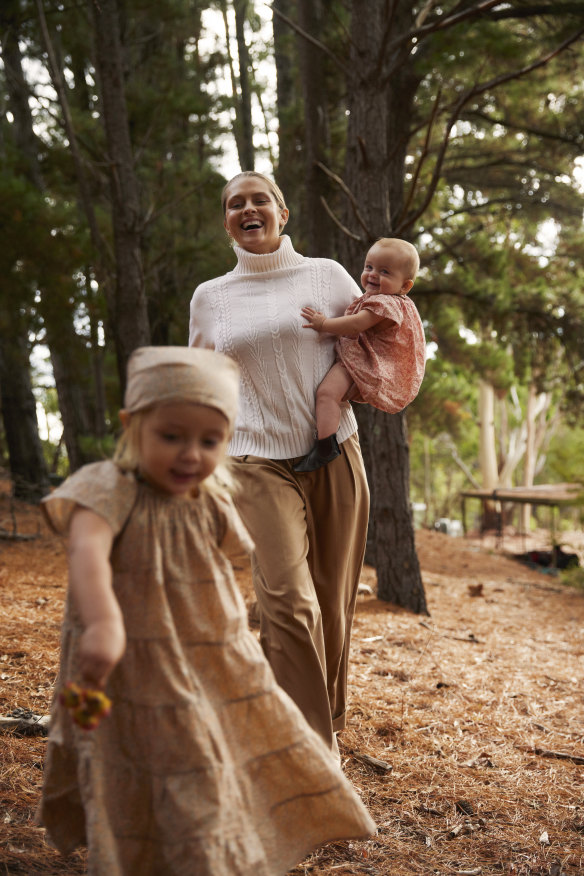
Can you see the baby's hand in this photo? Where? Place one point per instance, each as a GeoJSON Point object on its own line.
{"type": "Point", "coordinates": [100, 648]}
{"type": "Point", "coordinates": [315, 318]}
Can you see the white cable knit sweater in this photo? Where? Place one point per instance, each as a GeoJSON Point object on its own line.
{"type": "Point", "coordinates": [252, 314]}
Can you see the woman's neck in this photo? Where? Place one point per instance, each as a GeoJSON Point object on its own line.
{"type": "Point", "coordinates": [283, 257]}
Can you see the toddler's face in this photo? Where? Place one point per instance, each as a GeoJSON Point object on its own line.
{"type": "Point", "coordinates": [383, 273]}
{"type": "Point", "coordinates": [181, 445]}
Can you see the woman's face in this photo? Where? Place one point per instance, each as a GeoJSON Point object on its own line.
{"type": "Point", "coordinates": [252, 217]}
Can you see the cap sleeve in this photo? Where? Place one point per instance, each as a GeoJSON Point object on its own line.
{"type": "Point", "coordinates": [232, 536]}
{"type": "Point", "coordinates": [386, 306]}
{"type": "Point", "coordinates": [99, 487]}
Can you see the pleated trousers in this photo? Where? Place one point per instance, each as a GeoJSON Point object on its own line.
{"type": "Point", "coordinates": [309, 531]}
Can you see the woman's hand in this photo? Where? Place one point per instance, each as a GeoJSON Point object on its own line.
{"type": "Point", "coordinates": [315, 319]}
{"type": "Point", "coordinates": [101, 647]}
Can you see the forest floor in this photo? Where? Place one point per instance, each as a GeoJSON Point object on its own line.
{"type": "Point", "coordinates": [476, 711]}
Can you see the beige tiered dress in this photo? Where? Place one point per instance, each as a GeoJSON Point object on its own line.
{"type": "Point", "coordinates": [205, 766]}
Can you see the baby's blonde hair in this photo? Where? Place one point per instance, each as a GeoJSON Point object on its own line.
{"type": "Point", "coordinates": [127, 456]}
{"type": "Point", "coordinates": [408, 254]}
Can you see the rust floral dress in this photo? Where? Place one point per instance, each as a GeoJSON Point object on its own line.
{"type": "Point", "coordinates": [205, 766]}
{"type": "Point", "coordinates": [387, 361]}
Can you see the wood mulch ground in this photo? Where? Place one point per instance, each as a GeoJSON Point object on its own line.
{"type": "Point", "coordinates": [476, 712]}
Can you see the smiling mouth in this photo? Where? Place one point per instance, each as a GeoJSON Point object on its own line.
{"type": "Point", "coordinates": [251, 226]}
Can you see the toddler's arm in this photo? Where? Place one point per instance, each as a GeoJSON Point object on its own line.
{"type": "Point", "coordinates": [349, 326]}
{"type": "Point", "coordinates": [90, 580]}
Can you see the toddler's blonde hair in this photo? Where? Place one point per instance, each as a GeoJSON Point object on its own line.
{"type": "Point", "coordinates": [408, 254]}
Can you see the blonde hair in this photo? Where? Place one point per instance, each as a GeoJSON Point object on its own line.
{"type": "Point", "coordinates": [127, 456]}
{"type": "Point", "coordinates": [408, 254]}
{"type": "Point", "coordinates": [275, 190]}
{"type": "Point", "coordinates": [127, 451]}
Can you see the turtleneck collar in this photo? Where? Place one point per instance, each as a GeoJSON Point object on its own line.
{"type": "Point", "coordinates": [284, 257]}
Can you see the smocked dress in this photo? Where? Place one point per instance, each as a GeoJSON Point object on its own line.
{"type": "Point", "coordinates": [204, 766]}
{"type": "Point", "coordinates": [387, 361]}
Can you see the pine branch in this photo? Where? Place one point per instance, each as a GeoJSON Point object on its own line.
{"type": "Point", "coordinates": [311, 39]}
{"type": "Point", "coordinates": [448, 21]}
{"type": "Point", "coordinates": [463, 100]}
{"type": "Point", "coordinates": [338, 222]}
{"type": "Point", "coordinates": [423, 156]}
{"type": "Point", "coordinates": [342, 185]}
{"type": "Point", "coordinates": [538, 9]}
{"type": "Point", "coordinates": [97, 239]}
{"type": "Point", "coordinates": [510, 125]}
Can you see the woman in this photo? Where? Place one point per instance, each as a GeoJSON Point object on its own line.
{"type": "Point", "coordinates": [309, 529]}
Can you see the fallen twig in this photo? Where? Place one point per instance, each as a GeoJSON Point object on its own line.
{"type": "Point", "coordinates": [16, 536]}
{"type": "Point", "coordinates": [381, 765]}
{"type": "Point", "coordinates": [546, 752]}
{"type": "Point", "coordinates": [470, 638]}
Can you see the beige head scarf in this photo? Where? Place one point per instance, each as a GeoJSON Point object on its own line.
{"type": "Point", "coordinates": [157, 375]}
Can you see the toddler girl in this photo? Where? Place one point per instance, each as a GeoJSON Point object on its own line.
{"type": "Point", "coordinates": [381, 351]}
{"type": "Point", "coordinates": [204, 766]}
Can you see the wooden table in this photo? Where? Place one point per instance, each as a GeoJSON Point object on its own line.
{"type": "Point", "coordinates": [552, 495]}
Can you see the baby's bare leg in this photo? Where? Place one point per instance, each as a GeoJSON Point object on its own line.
{"type": "Point", "coordinates": [329, 396]}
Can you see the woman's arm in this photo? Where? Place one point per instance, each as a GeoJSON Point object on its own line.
{"type": "Point", "coordinates": [348, 326]}
{"type": "Point", "coordinates": [103, 640]}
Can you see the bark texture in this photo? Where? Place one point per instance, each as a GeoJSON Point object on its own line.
{"type": "Point", "coordinates": [130, 327]}
{"type": "Point", "coordinates": [28, 468]}
{"type": "Point", "coordinates": [381, 92]}
{"type": "Point", "coordinates": [73, 393]}
{"type": "Point", "coordinates": [318, 232]}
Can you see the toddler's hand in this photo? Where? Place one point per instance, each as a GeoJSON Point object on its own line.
{"type": "Point", "coordinates": [315, 319]}
{"type": "Point", "coordinates": [100, 648]}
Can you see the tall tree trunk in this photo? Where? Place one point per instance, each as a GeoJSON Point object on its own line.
{"type": "Point", "coordinates": [130, 327]}
{"type": "Point", "coordinates": [487, 438]}
{"type": "Point", "coordinates": [76, 414]}
{"type": "Point", "coordinates": [392, 548]}
{"type": "Point", "coordinates": [427, 480]}
{"type": "Point", "coordinates": [529, 461]}
{"type": "Point", "coordinates": [289, 140]}
{"type": "Point", "coordinates": [244, 120]}
{"type": "Point", "coordinates": [28, 468]}
{"type": "Point", "coordinates": [318, 232]}
{"type": "Point", "coordinates": [73, 393]}
{"type": "Point", "coordinates": [378, 84]}
{"type": "Point", "coordinates": [488, 451]}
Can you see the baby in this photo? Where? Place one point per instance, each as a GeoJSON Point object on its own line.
{"type": "Point", "coordinates": [381, 351]}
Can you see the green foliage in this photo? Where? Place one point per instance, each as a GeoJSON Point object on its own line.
{"type": "Point", "coordinates": [445, 401]}
{"type": "Point", "coordinates": [495, 305]}
{"type": "Point", "coordinates": [573, 577]}
{"type": "Point", "coordinates": [98, 448]}
{"type": "Point", "coordinates": [565, 457]}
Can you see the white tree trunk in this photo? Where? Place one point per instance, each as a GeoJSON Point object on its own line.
{"type": "Point", "coordinates": [487, 438]}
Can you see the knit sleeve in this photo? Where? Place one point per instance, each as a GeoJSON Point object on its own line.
{"type": "Point", "coordinates": [201, 322]}
{"type": "Point", "coordinates": [100, 487]}
{"type": "Point", "coordinates": [344, 290]}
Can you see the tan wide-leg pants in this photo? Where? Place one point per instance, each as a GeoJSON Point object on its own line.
{"type": "Point", "coordinates": [309, 532]}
